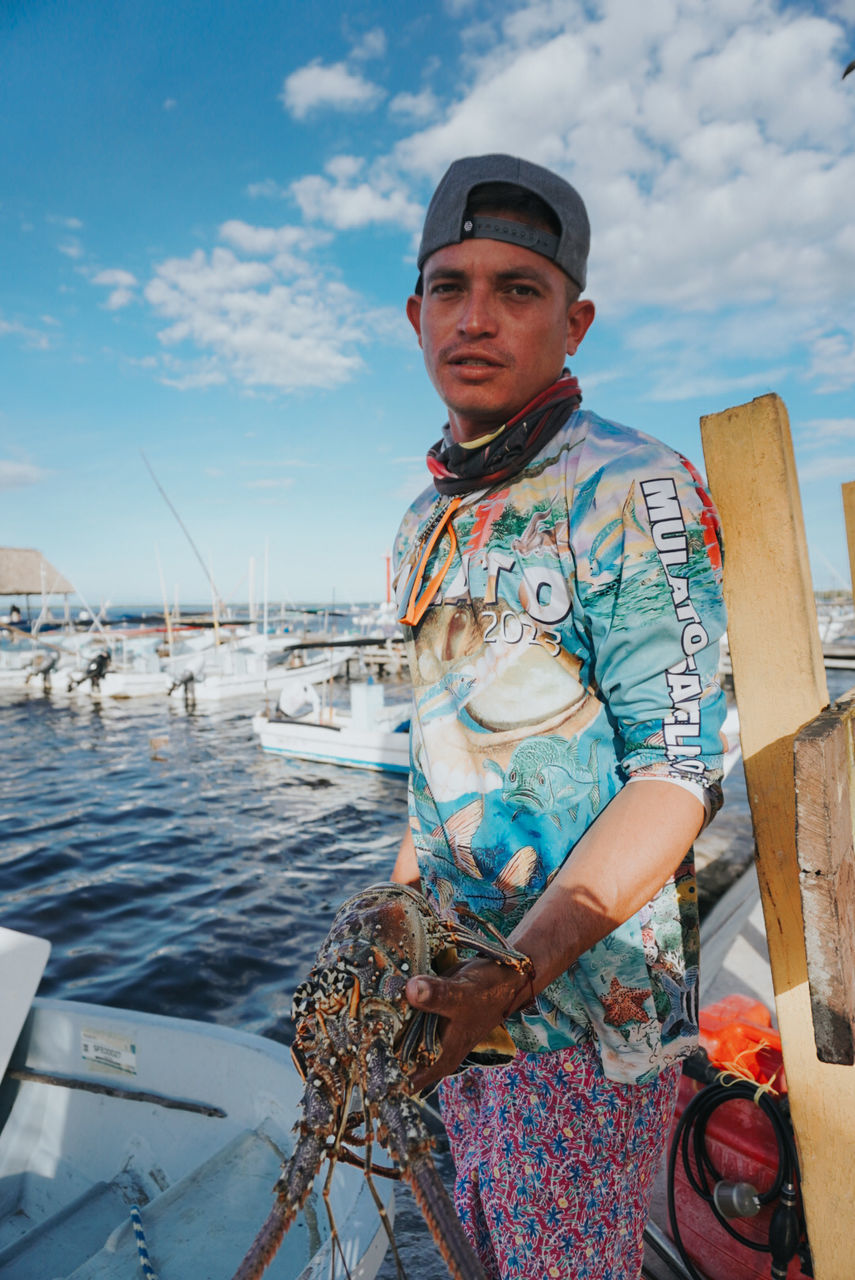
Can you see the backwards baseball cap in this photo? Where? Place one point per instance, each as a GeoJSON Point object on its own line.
{"type": "Point", "coordinates": [447, 222]}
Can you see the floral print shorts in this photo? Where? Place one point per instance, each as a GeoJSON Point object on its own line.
{"type": "Point", "coordinates": [555, 1164]}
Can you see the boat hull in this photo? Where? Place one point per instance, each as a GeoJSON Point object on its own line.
{"type": "Point", "coordinates": [102, 1108]}
{"type": "Point", "coordinates": [341, 743]}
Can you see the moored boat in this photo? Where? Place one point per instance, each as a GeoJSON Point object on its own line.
{"type": "Point", "coordinates": [371, 736]}
{"type": "Point", "coordinates": [103, 1109]}
{"type": "Point", "coordinates": [244, 672]}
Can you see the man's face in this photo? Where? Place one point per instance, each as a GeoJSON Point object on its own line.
{"type": "Point", "coordinates": [494, 324]}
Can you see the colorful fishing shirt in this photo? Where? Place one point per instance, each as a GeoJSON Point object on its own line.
{"type": "Point", "coordinates": [572, 646]}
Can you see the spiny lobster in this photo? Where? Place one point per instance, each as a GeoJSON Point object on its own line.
{"type": "Point", "coordinates": [356, 1033]}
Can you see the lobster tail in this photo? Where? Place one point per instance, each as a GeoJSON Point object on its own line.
{"type": "Point", "coordinates": [438, 1212]}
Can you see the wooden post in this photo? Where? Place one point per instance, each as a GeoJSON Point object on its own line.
{"type": "Point", "coordinates": [780, 686]}
{"type": "Point", "coordinates": [849, 514]}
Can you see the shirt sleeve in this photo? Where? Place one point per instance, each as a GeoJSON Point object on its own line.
{"type": "Point", "coordinates": [648, 564]}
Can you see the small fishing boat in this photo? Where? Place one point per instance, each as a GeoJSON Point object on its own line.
{"type": "Point", "coordinates": [371, 736]}
{"type": "Point", "coordinates": [241, 671]}
{"type": "Point", "coordinates": [135, 1143]}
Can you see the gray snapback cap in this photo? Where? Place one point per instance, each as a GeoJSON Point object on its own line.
{"type": "Point", "coordinates": [445, 222]}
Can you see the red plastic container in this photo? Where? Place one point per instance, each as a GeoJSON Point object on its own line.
{"type": "Point", "coordinates": [736, 1033]}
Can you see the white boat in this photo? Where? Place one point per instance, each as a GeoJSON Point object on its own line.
{"type": "Point", "coordinates": [125, 665]}
{"type": "Point", "coordinates": [34, 664]}
{"type": "Point", "coordinates": [372, 736]}
{"type": "Point", "coordinates": [242, 672]}
{"type": "Point", "coordinates": [102, 1109]}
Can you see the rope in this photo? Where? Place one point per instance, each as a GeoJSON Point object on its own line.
{"type": "Point", "coordinates": [734, 1071]}
{"type": "Point", "coordinates": [145, 1262]}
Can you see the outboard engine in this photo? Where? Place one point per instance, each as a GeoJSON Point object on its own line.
{"type": "Point", "coordinates": [43, 665]}
{"type": "Point", "coordinates": [94, 672]}
{"type": "Point", "coordinates": [187, 682]}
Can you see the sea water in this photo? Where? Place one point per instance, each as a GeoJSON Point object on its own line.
{"type": "Point", "coordinates": [176, 868]}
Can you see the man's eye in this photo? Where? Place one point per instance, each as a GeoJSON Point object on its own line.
{"type": "Point", "coordinates": [523, 290]}
{"type": "Point", "coordinates": [448, 287]}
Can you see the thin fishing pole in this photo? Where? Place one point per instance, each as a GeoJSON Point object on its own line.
{"type": "Point", "coordinates": [184, 528]}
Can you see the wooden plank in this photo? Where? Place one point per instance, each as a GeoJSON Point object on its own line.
{"type": "Point", "coordinates": [849, 514]}
{"type": "Point", "coordinates": [780, 686]}
{"type": "Point", "coordinates": [825, 796]}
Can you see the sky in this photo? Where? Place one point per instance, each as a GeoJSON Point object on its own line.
{"type": "Point", "coordinates": [209, 215]}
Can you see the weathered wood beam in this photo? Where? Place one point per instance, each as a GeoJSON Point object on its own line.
{"type": "Point", "coordinates": [825, 796]}
{"type": "Point", "coordinates": [780, 686]}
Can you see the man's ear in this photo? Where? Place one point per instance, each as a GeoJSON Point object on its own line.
{"type": "Point", "coordinates": [580, 317]}
{"type": "Point", "coordinates": [414, 314]}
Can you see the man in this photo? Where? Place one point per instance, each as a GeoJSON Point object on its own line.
{"type": "Point", "coordinates": [560, 590]}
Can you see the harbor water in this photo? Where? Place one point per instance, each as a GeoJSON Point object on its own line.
{"type": "Point", "coordinates": [176, 868]}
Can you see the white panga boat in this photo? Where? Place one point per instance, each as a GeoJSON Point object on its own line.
{"type": "Point", "coordinates": [102, 1109]}
{"type": "Point", "coordinates": [234, 672]}
{"type": "Point", "coordinates": [372, 736]}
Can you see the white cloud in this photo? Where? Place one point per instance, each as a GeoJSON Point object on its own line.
{"type": "Point", "coordinates": [833, 361]}
{"type": "Point", "coordinates": [831, 467]}
{"type": "Point", "coordinates": [71, 248]}
{"type": "Point", "coordinates": [122, 285]}
{"type": "Point", "coordinates": [844, 9]}
{"type": "Point", "coordinates": [119, 298]}
{"type": "Point", "coordinates": [713, 145]}
{"type": "Point", "coordinates": [186, 376]}
{"type": "Point", "coordinates": [34, 339]}
{"type": "Point", "coordinates": [820, 431]}
{"type": "Point", "coordinates": [17, 475]}
{"type": "Point", "coordinates": [267, 241]}
{"type": "Point", "coordinates": [415, 106]}
{"type": "Point", "coordinates": [169, 104]}
{"type": "Point", "coordinates": [270, 463]}
{"type": "Point", "coordinates": [345, 207]}
{"type": "Point", "coordinates": [268, 189]}
{"type": "Point", "coordinates": [678, 384]}
{"type": "Point", "coordinates": [115, 277]}
{"type": "Point", "coordinates": [281, 323]}
{"type": "Point", "coordinates": [333, 86]}
{"type": "Point", "coordinates": [70, 224]}
{"type": "Point", "coordinates": [344, 168]}
{"type": "Point", "coordinates": [372, 45]}
{"type": "Point", "coordinates": [269, 482]}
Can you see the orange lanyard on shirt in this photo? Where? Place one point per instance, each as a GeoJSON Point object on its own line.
{"type": "Point", "coordinates": [419, 599]}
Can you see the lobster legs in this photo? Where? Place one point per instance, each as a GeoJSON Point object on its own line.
{"type": "Point", "coordinates": [356, 1032]}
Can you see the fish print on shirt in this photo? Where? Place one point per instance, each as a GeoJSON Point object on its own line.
{"type": "Point", "coordinates": [571, 647]}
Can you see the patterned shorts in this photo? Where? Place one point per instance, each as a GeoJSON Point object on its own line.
{"type": "Point", "coordinates": [555, 1164]}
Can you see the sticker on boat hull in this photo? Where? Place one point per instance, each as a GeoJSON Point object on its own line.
{"type": "Point", "coordinates": [109, 1050]}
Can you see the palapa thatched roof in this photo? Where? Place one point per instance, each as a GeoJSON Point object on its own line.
{"type": "Point", "coordinates": [25, 572]}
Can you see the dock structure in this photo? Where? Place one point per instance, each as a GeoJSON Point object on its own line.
{"type": "Point", "coordinates": [780, 686]}
{"type": "Point", "coordinates": [381, 658]}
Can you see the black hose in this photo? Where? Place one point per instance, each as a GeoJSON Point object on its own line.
{"type": "Point", "coordinates": [786, 1232]}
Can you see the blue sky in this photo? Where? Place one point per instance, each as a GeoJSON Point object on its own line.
{"type": "Point", "coordinates": [208, 221]}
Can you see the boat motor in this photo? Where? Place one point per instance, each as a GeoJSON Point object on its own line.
{"type": "Point", "coordinates": [187, 682]}
{"type": "Point", "coordinates": [94, 672]}
{"type": "Point", "coordinates": [43, 665]}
